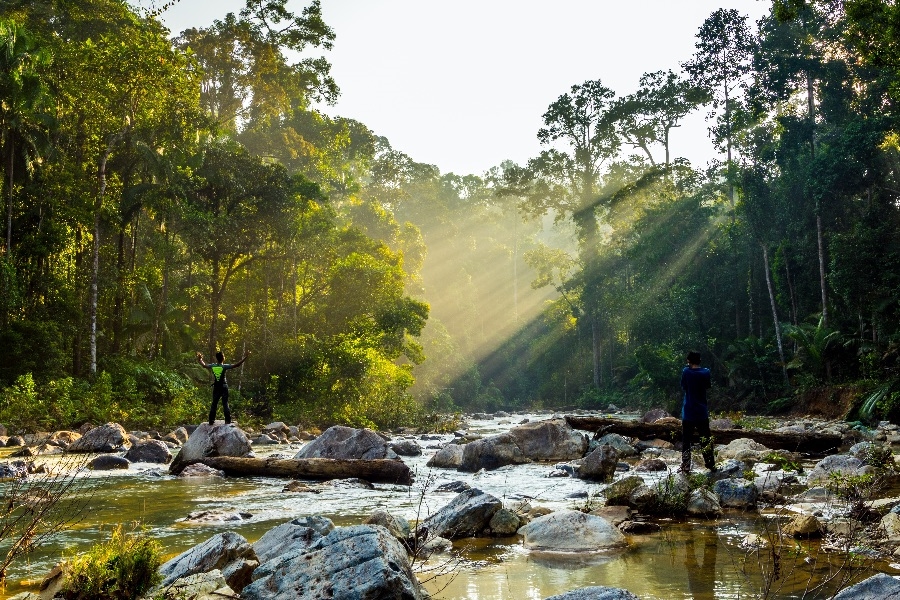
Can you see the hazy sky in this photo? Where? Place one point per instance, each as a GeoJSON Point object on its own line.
{"type": "Point", "coordinates": [462, 84]}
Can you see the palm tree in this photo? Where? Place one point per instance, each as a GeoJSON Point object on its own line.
{"type": "Point", "coordinates": [23, 123]}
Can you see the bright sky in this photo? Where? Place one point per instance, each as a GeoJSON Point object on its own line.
{"type": "Point", "coordinates": [462, 84]}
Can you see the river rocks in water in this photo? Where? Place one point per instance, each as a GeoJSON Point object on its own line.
{"type": "Point", "coordinates": [350, 483]}
{"type": "Point", "coordinates": [599, 465]}
{"type": "Point", "coordinates": [571, 531]}
{"type": "Point", "coordinates": [619, 443]}
{"type": "Point", "coordinates": [743, 449]}
{"type": "Point", "coordinates": [301, 487]}
{"type": "Point", "coordinates": [549, 440]}
{"type": "Point", "coordinates": [109, 462]}
{"type": "Point", "coordinates": [215, 516]}
{"type": "Point", "coordinates": [504, 523]}
{"type": "Point", "coordinates": [201, 586]}
{"type": "Point", "coordinates": [638, 527]}
{"type": "Point", "coordinates": [448, 457]}
{"type": "Point", "coordinates": [773, 481]}
{"type": "Point", "coordinates": [729, 469]}
{"type": "Point", "coordinates": [619, 493]}
{"type": "Point", "coordinates": [650, 465]}
{"type": "Point", "coordinates": [106, 438]}
{"type": "Point", "coordinates": [264, 439]}
{"type": "Point", "coordinates": [736, 493]}
{"type": "Point", "coordinates": [890, 525]}
{"type": "Point", "coordinates": [200, 470]}
{"type": "Point", "coordinates": [347, 443]}
{"type": "Point", "coordinates": [803, 526]}
{"type": "Point", "coordinates": [63, 438]}
{"type": "Point", "coordinates": [616, 515]}
{"type": "Point", "coordinates": [149, 451]}
{"type": "Point", "coordinates": [397, 526]}
{"type": "Point", "coordinates": [406, 448]}
{"type": "Point", "coordinates": [861, 450]}
{"type": "Point", "coordinates": [881, 586]}
{"type": "Point", "coordinates": [218, 552]}
{"type": "Point", "coordinates": [465, 516]}
{"type": "Point", "coordinates": [178, 436]}
{"type": "Point", "coordinates": [16, 440]}
{"type": "Point", "coordinates": [453, 486]}
{"type": "Point", "coordinates": [211, 440]}
{"type": "Point", "coordinates": [293, 537]}
{"type": "Point", "coordinates": [10, 471]}
{"type": "Point", "coordinates": [596, 593]}
{"type": "Point", "coordinates": [654, 415]}
{"type": "Point", "coordinates": [654, 444]}
{"type": "Point", "coordinates": [703, 503]}
{"type": "Point", "coordinates": [836, 463]}
{"type": "Point", "coordinates": [361, 561]}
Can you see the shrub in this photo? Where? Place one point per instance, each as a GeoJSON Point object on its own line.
{"type": "Point", "coordinates": [122, 568]}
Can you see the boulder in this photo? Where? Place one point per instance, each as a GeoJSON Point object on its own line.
{"type": "Point", "coordinates": [264, 439]}
{"type": "Point", "coordinates": [717, 424]}
{"type": "Point", "coordinates": [880, 585]}
{"type": "Point", "coordinates": [729, 469]}
{"type": "Point", "coordinates": [505, 522]}
{"type": "Point", "coordinates": [596, 593]}
{"type": "Point", "coordinates": [406, 448]}
{"type": "Point", "coordinates": [202, 586]}
{"type": "Point", "coordinates": [397, 526]}
{"type": "Point", "coordinates": [150, 451]}
{"type": "Point", "coordinates": [703, 503]}
{"type": "Point", "coordinates": [619, 493]}
{"type": "Point", "coordinates": [654, 415]}
{"type": "Point", "coordinates": [177, 436]}
{"type": "Point", "coordinates": [218, 552]}
{"type": "Point", "coordinates": [619, 443]}
{"type": "Point", "coordinates": [599, 465]}
{"type": "Point", "coordinates": [448, 457]}
{"type": "Point", "coordinates": [200, 470]}
{"type": "Point", "coordinates": [209, 441]}
{"type": "Point", "coordinates": [743, 449]}
{"type": "Point", "coordinates": [453, 486]}
{"type": "Point", "coordinates": [108, 462]}
{"type": "Point", "coordinates": [616, 515]}
{"type": "Point", "coordinates": [16, 440]}
{"type": "Point", "coordinates": [214, 516]}
{"type": "Point", "coordinates": [639, 527]}
{"type": "Point", "coordinates": [361, 561]}
{"type": "Point", "coordinates": [890, 524]}
{"type": "Point", "coordinates": [803, 526]}
{"type": "Point", "coordinates": [63, 438]}
{"type": "Point", "coordinates": [861, 450]}
{"type": "Point", "coordinates": [736, 493]}
{"type": "Point", "coordinates": [295, 537]}
{"type": "Point", "coordinates": [464, 516]}
{"type": "Point", "coordinates": [106, 438]}
{"type": "Point", "coordinates": [278, 427]}
{"type": "Point", "coordinates": [549, 440]}
{"type": "Point", "coordinates": [836, 463]}
{"type": "Point", "coordinates": [655, 444]}
{"type": "Point", "coordinates": [347, 443]}
{"type": "Point", "coordinates": [571, 531]}
{"type": "Point", "coordinates": [651, 465]}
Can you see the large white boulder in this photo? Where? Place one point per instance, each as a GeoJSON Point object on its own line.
{"type": "Point", "coordinates": [571, 531]}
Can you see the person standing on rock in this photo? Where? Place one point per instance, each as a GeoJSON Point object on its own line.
{"type": "Point", "coordinates": [219, 383]}
{"type": "Point", "coordinates": [695, 380]}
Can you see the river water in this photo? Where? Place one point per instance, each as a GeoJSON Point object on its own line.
{"type": "Point", "coordinates": [688, 559]}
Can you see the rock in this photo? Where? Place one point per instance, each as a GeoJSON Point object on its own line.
{"type": "Point", "coordinates": [890, 524]}
{"type": "Point", "coordinates": [654, 415]}
{"type": "Point", "coordinates": [302, 487]}
{"type": "Point", "coordinates": [279, 428]}
{"type": "Point", "coordinates": [347, 443]}
{"type": "Point", "coordinates": [703, 503]}
{"type": "Point", "coordinates": [264, 439]}
{"type": "Point", "coordinates": [351, 483]}
{"type": "Point", "coordinates": [836, 463]}
{"type": "Point", "coordinates": [736, 493]}
{"type": "Point", "coordinates": [638, 527]}
{"type": "Point", "coordinates": [397, 526]}
{"type": "Point", "coordinates": [25, 596]}
{"type": "Point", "coordinates": [39, 450]}
{"type": "Point", "coordinates": [730, 469]}
{"type": "Point", "coordinates": [773, 481]}
{"type": "Point", "coordinates": [814, 494]}
{"type": "Point", "coordinates": [619, 443]}
{"type": "Point", "coordinates": [550, 440]}
{"type": "Point", "coordinates": [655, 444]}
{"type": "Point", "coordinates": [200, 470]}
{"type": "Point", "coordinates": [16, 440]}
{"type": "Point", "coordinates": [465, 516]}
{"type": "Point", "coordinates": [504, 523]}
{"type": "Point", "coordinates": [63, 438]}
{"type": "Point", "coordinates": [295, 536]}
{"type": "Point", "coordinates": [616, 515]}
{"type": "Point", "coordinates": [215, 516]}
{"type": "Point", "coordinates": [201, 586]}
{"type": "Point", "coordinates": [651, 465]}
{"type": "Point", "coordinates": [861, 450]}
{"type": "Point", "coordinates": [453, 486]}
{"type": "Point", "coordinates": [571, 531]}
{"type": "Point", "coordinates": [149, 451]}
{"type": "Point", "coordinates": [599, 465]}
{"type": "Point", "coordinates": [880, 585]}
{"type": "Point", "coordinates": [215, 553]}
{"type": "Point", "coordinates": [407, 448]}
{"type": "Point", "coordinates": [619, 492]}
{"type": "Point", "coordinates": [361, 561]}
{"type": "Point", "coordinates": [715, 424]}
{"type": "Point", "coordinates": [109, 462]}
{"type": "Point", "coordinates": [448, 457]}
{"type": "Point", "coordinates": [803, 526]}
{"type": "Point", "coordinates": [209, 441]}
{"type": "Point", "coordinates": [743, 449]}
{"type": "Point", "coordinates": [10, 471]}
{"type": "Point", "coordinates": [596, 593]}
{"type": "Point", "coordinates": [106, 438]}
{"type": "Point", "coordinates": [178, 436]}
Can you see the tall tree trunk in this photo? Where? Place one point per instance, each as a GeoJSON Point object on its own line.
{"type": "Point", "coordinates": [118, 308]}
{"type": "Point", "coordinates": [95, 257]}
{"type": "Point", "coordinates": [9, 200]}
{"type": "Point", "coordinates": [790, 282]}
{"type": "Point", "coordinates": [595, 350]}
{"type": "Point", "coordinates": [821, 246]}
{"type": "Point", "coordinates": [778, 339]}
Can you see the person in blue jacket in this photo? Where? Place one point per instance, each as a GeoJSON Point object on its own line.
{"type": "Point", "coordinates": [220, 383]}
{"type": "Point", "coordinates": [695, 380]}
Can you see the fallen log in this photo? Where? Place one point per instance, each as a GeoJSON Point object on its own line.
{"type": "Point", "coordinates": [375, 471]}
{"type": "Point", "coordinates": [812, 443]}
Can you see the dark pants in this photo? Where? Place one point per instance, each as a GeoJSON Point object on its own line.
{"type": "Point", "coordinates": [706, 443]}
{"type": "Point", "coordinates": [220, 392]}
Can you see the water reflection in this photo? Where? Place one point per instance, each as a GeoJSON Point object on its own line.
{"type": "Point", "coordinates": [701, 575]}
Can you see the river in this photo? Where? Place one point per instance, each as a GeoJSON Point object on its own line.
{"type": "Point", "coordinates": [687, 559]}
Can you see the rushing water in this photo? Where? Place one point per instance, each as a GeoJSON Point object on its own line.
{"type": "Point", "coordinates": [687, 559]}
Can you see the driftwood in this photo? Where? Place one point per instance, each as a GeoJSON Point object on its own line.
{"type": "Point", "coordinates": [793, 442]}
{"type": "Point", "coordinates": [375, 471]}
